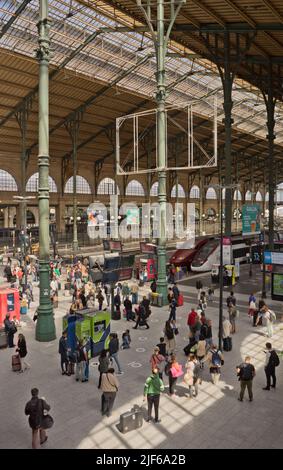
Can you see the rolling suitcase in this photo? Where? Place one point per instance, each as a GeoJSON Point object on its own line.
{"type": "Point", "coordinates": [131, 420]}
{"type": "Point", "coordinates": [227, 344]}
{"type": "Point", "coordinates": [67, 286]}
{"type": "Point", "coordinates": [16, 363]}
{"type": "Point", "coordinates": [71, 368]}
{"type": "Point", "coordinates": [3, 338]}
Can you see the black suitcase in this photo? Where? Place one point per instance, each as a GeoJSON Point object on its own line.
{"type": "Point", "coordinates": [131, 420]}
{"type": "Point", "coordinates": [67, 286]}
{"type": "Point", "coordinates": [227, 344]}
{"type": "Point", "coordinates": [3, 338]}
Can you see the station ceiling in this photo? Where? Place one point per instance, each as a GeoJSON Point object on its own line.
{"type": "Point", "coordinates": [102, 71]}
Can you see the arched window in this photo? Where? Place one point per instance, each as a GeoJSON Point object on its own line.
{"type": "Point", "coordinates": [237, 195]}
{"type": "Point", "coordinates": [211, 194]}
{"type": "Point", "coordinates": [181, 192]}
{"type": "Point", "coordinates": [32, 184]}
{"type": "Point", "coordinates": [194, 192]}
{"type": "Point", "coordinates": [82, 185]}
{"type": "Point", "coordinates": [30, 218]}
{"type": "Point", "coordinates": [134, 188]}
{"type": "Point", "coordinates": [267, 196]}
{"type": "Point", "coordinates": [223, 193]}
{"type": "Point", "coordinates": [154, 189]}
{"type": "Point", "coordinates": [248, 195]}
{"type": "Point", "coordinates": [258, 196]}
{"type": "Point", "coordinates": [107, 186]}
{"type": "Point", "coordinates": [7, 182]}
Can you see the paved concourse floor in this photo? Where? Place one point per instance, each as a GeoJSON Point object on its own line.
{"type": "Point", "coordinates": [215, 419]}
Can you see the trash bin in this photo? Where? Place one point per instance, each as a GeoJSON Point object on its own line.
{"type": "Point", "coordinates": [156, 299]}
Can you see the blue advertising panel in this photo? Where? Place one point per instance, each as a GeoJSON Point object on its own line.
{"type": "Point", "coordinates": [10, 302]}
{"type": "Point", "coordinates": [251, 219]}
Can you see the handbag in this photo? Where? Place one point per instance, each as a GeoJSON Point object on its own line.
{"type": "Point", "coordinates": [176, 331]}
{"type": "Point", "coordinates": [47, 422]}
{"type": "Point", "coordinates": [176, 371]}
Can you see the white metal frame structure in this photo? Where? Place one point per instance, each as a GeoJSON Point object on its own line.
{"type": "Point", "coordinates": [209, 160]}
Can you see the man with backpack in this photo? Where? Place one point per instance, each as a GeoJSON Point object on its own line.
{"type": "Point", "coordinates": [215, 360]}
{"type": "Point", "coordinates": [271, 362]}
{"type": "Point", "coordinates": [35, 410]}
{"type": "Point", "coordinates": [246, 373]}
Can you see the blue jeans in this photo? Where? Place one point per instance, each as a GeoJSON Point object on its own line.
{"type": "Point", "coordinates": [115, 357]}
{"type": "Point", "coordinates": [134, 298]}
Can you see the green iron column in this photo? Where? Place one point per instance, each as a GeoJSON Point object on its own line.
{"type": "Point", "coordinates": [45, 326]}
{"type": "Point", "coordinates": [227, 81]}
{"type": "Point", "coordinates": [270, 106]}
{"type": "Point", "coordinates": [161, 149]}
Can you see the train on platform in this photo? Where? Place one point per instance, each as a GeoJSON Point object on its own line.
{"type": "Point", "coordinates": [206, 251]}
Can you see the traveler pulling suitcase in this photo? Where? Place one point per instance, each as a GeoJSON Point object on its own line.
{"type": "Point", "coordinates": [16, 363]}
{"type": "Point", "coordinates": [131, 420]}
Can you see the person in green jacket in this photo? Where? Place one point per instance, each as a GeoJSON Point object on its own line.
{"type": "Point", "coordinates": [152, 389]}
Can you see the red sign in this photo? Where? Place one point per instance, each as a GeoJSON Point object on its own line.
{"type": "Point", "coordinates": [125, 274]}
{"type": "Point", "coordinates": [115, 245]}
{"type": "Point", "coordinates": [148, 248]}
{"type": "Point", "coordinates": [226, 241]}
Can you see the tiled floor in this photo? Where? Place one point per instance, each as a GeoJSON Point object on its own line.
{"type": "Point", "coordinates": [215, 419]}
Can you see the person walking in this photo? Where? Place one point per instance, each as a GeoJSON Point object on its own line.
{"type": "Point", "coordinates": [134, 292]}
{"type": "Point", "coordinates": [246, 374]}
{"type": "Point", "coordinates": [114, 349]}
{"type": "Point", "coordinates": [215, 359]}
{"type": "Point", "coordinates": [189, 375]}
{"type": "Point", "coordinates": [63, 351]}
{"type": "Point", "coordinates": [231, 299]}
{"type": "Point", "coordinates": [252, 305]}
{"type": "Point", "coordinates": [157, 361]}
{"type": "Point", "coordinates": [152, 389]}
{"type": "Point", "coordinates": [232, 311]}
{"type": "Point", "coordinates": [100, 299]}
{"type": "Point", "coordinates": [117, 304]}
{"type": "Point", "coordinates": [174, 371]}
{"type": "Point", "coordinates": [35, 410]}
{"type": "Point", "coordinates": [109, 387]}
{"type": "Point", "coordinates": [169, 338]}
{"type": "Point", "coordinates": [22, 350]}
{"type": "Point", "coordinates": [271, 362]}
{"type": "Point", "coordinates": [129, 308]}
{"type": "Point", "coordinates": [141, 317]}
{"type": "Point", "coordinates": [103, 365]}
{"type": "Point", "coordinates": [201, 350]}
{"type": "Point", "coordinates": [176, 292]}
{"type": "Point", "coordinates": [10, 330]}
{"type": "Point", "coordinates": [173, 306]}
{"type": "Point", "coordinates": [107, 291]}
{"type": "Point", "coordinates": [81, 362]}
{"type": "Point", "coordinates": [226, 334]}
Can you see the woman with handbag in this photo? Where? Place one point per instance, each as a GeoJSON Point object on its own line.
{"type": "Point", "coordinates": [22, 350]}
{"type": "Point", "coordinates": [174, 371]}
{"type": "Point", "coordinates": [189, 375]}
{"type": "Point", "coordinates": [109, 387]}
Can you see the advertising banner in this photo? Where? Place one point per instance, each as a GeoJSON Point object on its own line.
{"type": "Point", "coordinates": [251, 219]}
{"type": "Point", "coordinates": [227, 250]}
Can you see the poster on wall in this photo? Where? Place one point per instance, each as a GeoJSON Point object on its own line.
{"type": "Point", "coordinates": [277, 285]}
{"type": "Point", "coordinates": [251, 219]}
{"type": "Point", "coordinates": [227, 250]}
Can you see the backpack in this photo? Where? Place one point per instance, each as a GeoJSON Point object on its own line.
{"type": "Point", "coordinates": [216, 359]}
{"type": "Point", "coordinates": [246, 372]}
{"type": "Point", "coordinates": [274, 359]}
{"type": "Point", "coordinates": [197, 370]}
